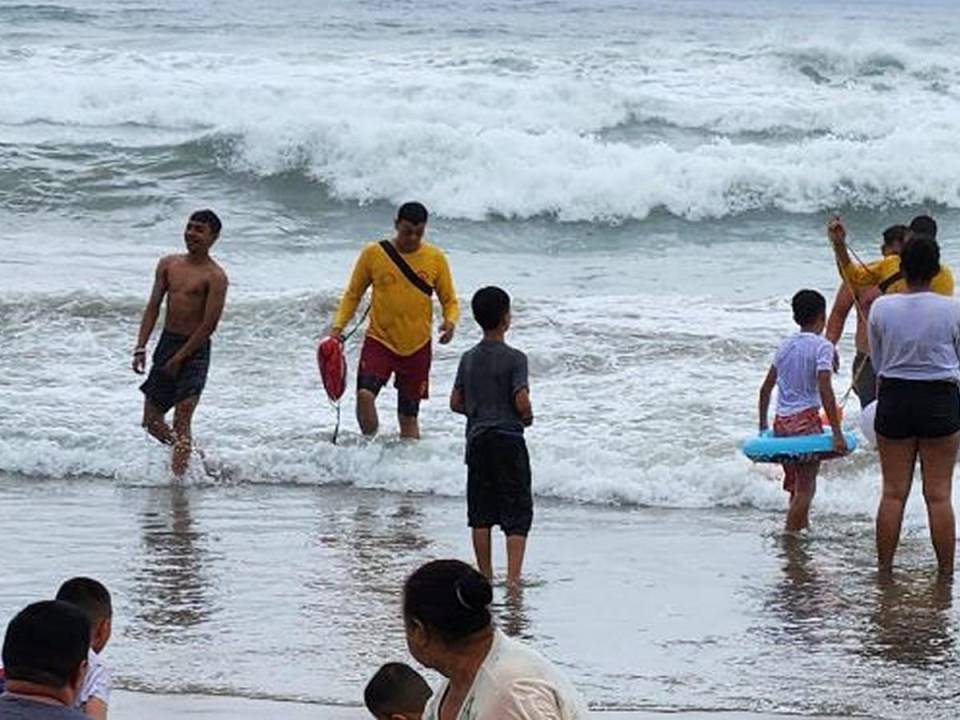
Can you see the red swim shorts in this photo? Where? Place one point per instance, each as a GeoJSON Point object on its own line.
{"type": "Point", "coordinates": [411, 372]}
{"type": "Point", "coordinates": [805, 422]}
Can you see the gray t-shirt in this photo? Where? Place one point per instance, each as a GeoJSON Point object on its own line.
{"type": "Point", "coordinates": [490, 376]}
{"type": "Point", "coordinates": [17, 708]}
{"type": "Point", "coordinates": [915, 336]}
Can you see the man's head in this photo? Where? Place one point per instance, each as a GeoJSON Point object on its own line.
{"type": "Point", "coordinates": [94, 600]}
{"type": "Point", "coordinates": [920, 260]}
{"type": "Point", "coordinates": [810, 310]}
{"type": "Point", "coordinates": [491, 309]}
{"type": "Point", "coordinates": [45, 650]}
{"type": "Point", "coordinates": [923, 226]}
{"type": "Point", "coordinates": [893, 239]}
{"type": "Point", "coordinates": [397, 692]}
{"type": "Point", "coordinates": [410, 225]}
{"type": "Point", "coordinates": [202, 231]}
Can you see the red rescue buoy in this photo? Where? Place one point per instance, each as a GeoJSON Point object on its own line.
{"type": "Point", "coordinates": [333, 367]}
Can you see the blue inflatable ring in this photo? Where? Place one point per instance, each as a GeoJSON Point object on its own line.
{"type": "Point", "coordinates": [768, 448]}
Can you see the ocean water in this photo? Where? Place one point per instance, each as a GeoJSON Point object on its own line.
{"type": "Point", "coordinates": [650, 181]}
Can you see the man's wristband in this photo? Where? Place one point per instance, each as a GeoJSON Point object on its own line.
{"type": "Point", "coordinates": [140, 351]}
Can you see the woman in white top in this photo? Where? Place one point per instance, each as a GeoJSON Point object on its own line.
{"type": "Point", "coordinates": [446, 607]}
{"type": "Point", "coordinates": [915, 348]}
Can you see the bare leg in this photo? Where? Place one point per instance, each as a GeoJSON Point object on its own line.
{"type": "Point", "coordinates": [798, 514]}
{"type": "Point", "coordinates": [409, 427]}
{"type": "Point", "coordinates": [937, 459]}
{"type": "Point", "coordinates": [367, 412]}
{"type": "Point", "coordinates": [516, 547]}
{"type": "Point", "coordinates": [182, 420]}
{"type": "Point", "coordinates": [155, 423]}
{"type": "Point", "coordinates": [482, 549]}
{"type": "Point", "coordinates": [897, 460]}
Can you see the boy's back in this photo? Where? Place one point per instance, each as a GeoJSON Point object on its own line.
{"type": "Point", "coordinates": [490, 375]}
{"type": "Point", "coordinates": [798, 360]}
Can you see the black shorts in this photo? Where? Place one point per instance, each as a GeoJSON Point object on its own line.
{"type": "Point", "coordinates": [917, 408]}
{"type": "Point", "coordinates": [163, 390]}
{"type": "Point", "coordinates": [865, 385]}
{"type": "Point", "coordinates": [498, 483]}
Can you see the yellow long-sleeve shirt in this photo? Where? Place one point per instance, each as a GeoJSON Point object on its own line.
{"type": "Point", "coordinates": [879, 271]}
{"type": "Point", "coordinates": [401, 316]}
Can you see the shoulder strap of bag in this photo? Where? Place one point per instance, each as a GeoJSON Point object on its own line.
{"type": "Point", "coordinates": [885, 285]}
{"type": "Point", "coordinates": [418, 282]}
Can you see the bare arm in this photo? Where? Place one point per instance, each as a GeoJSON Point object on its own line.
{"type": "Point", "coordinates": [825, 383]}
{"type": "Point", "coordinates": [216, 297]}
{"type": "Point", "coordinates": [457, 403]}
{"type": "Point", "coordinates": [842, 305]}
{"type": "Point", "coordinates": [95, 708]}
{"type": "Point", "coordinates": [150, 315]}
{"type": "Point", "coordinates": [766, 390]}
{"type": "Point", "coordinates": [521, 401]}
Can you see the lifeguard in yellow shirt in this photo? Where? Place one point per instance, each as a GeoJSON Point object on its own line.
{"type": "Point", "coordinates": [405, 272]}
{"type": "Point", "coordinates": [885, 274]}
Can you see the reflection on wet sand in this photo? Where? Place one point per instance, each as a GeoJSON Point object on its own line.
{"type": "Point", "coordinates": [512, 615]}
{"type": "Point", "coordinates": [910, 622]}
{"type": "Point", "coordinates": [377, 543]}
{"type": "Point", "coordinates": [803, 596]}
{"type": "Point", "coordinates": [171, 590]}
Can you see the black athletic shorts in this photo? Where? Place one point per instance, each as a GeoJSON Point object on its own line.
{"type": "Point", "coordinates": [163, 390]}
{"type": "Point", "coordinates": [917, 408]}
{"type": "Point", "coordinates": [498, 483]}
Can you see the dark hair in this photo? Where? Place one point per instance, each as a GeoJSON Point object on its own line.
{"type": "Point", "coordinates": [45, 643]}
{"type": "Point", "coordinates": [449, 597]}
{"type": "Point", "coordinates": [924, 225]}
{"type": "Point", "coordinates": [396, 688]}
{"type": "Point", "coordinates": [920, 260]}
{"type": "Point", "coordinates": [88, 595]}
{"type": "Point", "coordinates": [490, 304]}
{"type": "Point", "coordinates": [207, 217]}
{"type": "Point", "coordinates": [413, 212]}
{"type": "Point", "coordinates": [808, 305]}
{"type": "Point", "coordinates": [895, 234]}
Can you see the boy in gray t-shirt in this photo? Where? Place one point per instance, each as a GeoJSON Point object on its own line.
{"type": "Point", "coordinates": [493, 391]}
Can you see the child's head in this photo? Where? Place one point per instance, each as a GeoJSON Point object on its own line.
{"type": "Point", "coordinates": [491, 309]}
{"type": "Point", "coordinates": [810, 310]}
{"type": "Point", "coordinates": [397, 692]}
{"type": "Point", "coordinates": [94, 600]}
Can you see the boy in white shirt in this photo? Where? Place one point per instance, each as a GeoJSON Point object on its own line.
{"type": "Point", "coordinates": [802, 373]}
{"type": "Point", "coordinates": [94, 600]}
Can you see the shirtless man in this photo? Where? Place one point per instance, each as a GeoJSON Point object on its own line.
{"type": "Point", "coordinates": [196, 288]}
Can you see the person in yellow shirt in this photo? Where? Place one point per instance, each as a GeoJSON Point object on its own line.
{"type": "Point", "coordinates": [404, 273]}
{"type": "Point", "coordinates": [885, 274]}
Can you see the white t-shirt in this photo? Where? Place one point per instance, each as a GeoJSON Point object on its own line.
{"type": "Point", "coordinates": [798, 360]}
{"type": "Point", "coordinates": [515, 683]}
{"type": "Point", "coordinates": [915, 336]}
{"type": "Point", "coordinates": [97, 683]}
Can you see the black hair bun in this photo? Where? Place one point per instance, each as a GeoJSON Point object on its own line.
{"type": "Point", "coordinates": [476, 591]}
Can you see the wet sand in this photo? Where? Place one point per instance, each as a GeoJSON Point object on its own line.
{"type": "Point", "coordinates": [140, 706]}
{"type": "Point", "coordinates": [292, 593]}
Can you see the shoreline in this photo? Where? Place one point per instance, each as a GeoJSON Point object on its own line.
{"type": "Point", "coordinates": [135, 705]}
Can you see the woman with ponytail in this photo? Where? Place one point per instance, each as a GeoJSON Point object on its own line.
{"type": "Point", "coordinates": [446, 607]}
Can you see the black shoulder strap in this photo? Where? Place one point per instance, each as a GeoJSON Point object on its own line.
{"type": "Point", "coordinates": [418, 282]}
{"type": "Point", "coordinates": [885, 285]}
